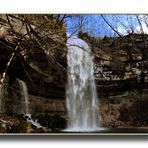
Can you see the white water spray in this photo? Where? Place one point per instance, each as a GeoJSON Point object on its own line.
{"type": "Point", "coordinates": [33, 122]}
{"type": "Point", "coordinates": [82, 104]}
{"type": "Point", "coordinates": [25, 104]}
{"type": "Point", "coordinates": [24, 97]}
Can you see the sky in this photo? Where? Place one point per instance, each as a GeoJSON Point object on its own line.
{"type": "Point", "coordinates": [95, 25]}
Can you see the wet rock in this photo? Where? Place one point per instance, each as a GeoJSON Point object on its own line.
{"type": "Point", "coordinates": [58, 122]}
{"type": "Point", "coordinates": [39, 130]}
{"type": "Point", "coordinates": [44, 120]}
{"type": "Point", "coordinates": [51, 122]}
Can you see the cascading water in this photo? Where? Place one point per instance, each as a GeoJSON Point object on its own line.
{"type": "Point", "coordinates": [25, 103]}
{"type": "Point", "coordinates": [82, 104]}
{"type": "Point", "coordinates": [24, 98]}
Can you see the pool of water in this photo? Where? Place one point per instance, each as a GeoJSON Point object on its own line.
{"type": "Point", "coordinates": [106, 131]}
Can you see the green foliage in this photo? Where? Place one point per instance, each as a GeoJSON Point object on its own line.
{"type": "Point", "coordinates": [21, 128]}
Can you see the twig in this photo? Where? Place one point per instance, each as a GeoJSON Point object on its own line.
{"type": "Point", "coordinates": [111, 26]}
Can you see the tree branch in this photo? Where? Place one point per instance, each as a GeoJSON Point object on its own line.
{"type": "Point", "coordinates": [111, 26]}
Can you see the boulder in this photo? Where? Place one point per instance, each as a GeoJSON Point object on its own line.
{"type": "Point", "coordinates": [52, 122]}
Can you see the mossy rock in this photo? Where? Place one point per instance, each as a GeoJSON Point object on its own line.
{"type": "Point", "coordinates": [20, 128]}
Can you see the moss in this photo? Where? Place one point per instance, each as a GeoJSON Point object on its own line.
{"type": "Point", "coordinates": [21, 128]}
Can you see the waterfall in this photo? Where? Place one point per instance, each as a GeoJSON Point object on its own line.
{"type": "Point", "coordinates": [25, 104]}
{"type": "Point", "coordinates": [24, 98]}
{"type": "Point", "coordinates": [81, 96]}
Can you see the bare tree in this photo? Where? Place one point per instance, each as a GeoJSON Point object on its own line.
{"type": "Point", "coordinates": [112, 27]}
{"type": "Point", "coordinates": [32, 37]}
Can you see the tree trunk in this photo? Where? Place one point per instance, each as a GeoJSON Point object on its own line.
{"type": "Point", "coordinates": [5, 71]}
{"type": "Point", "coordinates": [7, 66]}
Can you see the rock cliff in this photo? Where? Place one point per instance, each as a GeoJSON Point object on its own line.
{"type": "Point", "coordinates": [36, 44]}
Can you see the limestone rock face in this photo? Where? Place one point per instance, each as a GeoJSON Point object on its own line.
{"type": "Point", "coordinates": [118, 50]}
{"type": "Point", "coordinates": [38, 42]}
